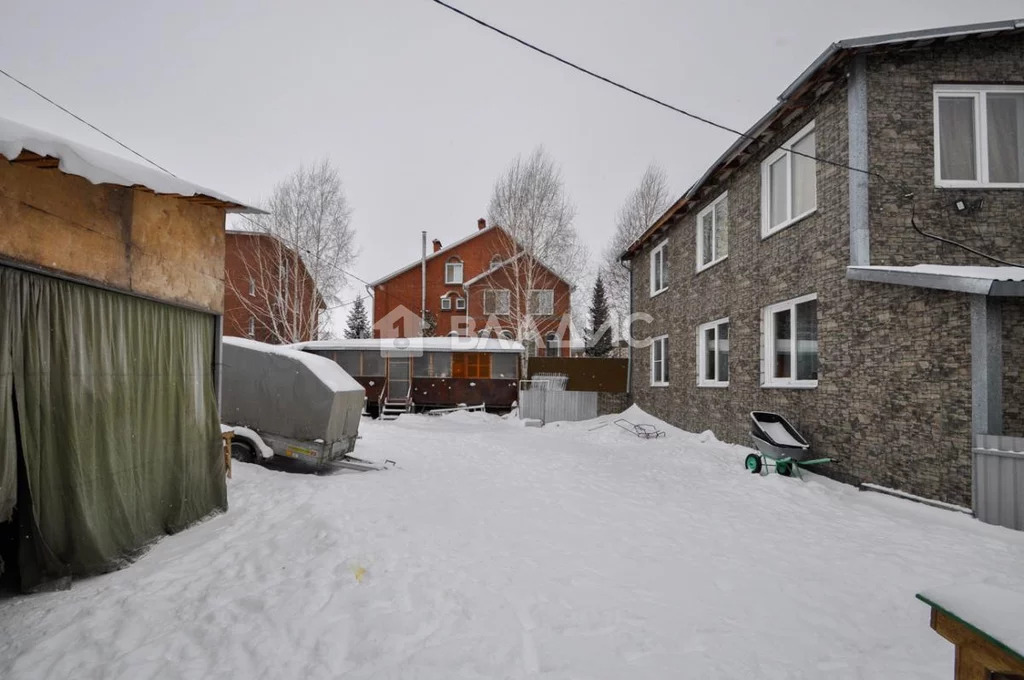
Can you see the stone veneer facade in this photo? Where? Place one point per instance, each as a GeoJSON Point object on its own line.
{"type": "Point", "coordinates": [893, 400]}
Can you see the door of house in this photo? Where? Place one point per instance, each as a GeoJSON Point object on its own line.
{"type": "Point", "coordinates": [399, 376]}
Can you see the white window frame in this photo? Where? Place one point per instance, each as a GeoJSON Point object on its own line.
{"type": "Point", "coordinates": [714, 242]}
{"type": "Point", "coordinates": [658, 380]}
{"type": "Point", "coordinates": [446, 303]}
{"type": "Point", "coordinates": [252, 287]}
{"type": "Point", "coordinates": [785, 151]}
{"type": "Point", "coordinates": [550, 307]}
{"type": "Point", "coordinates": [768, 378]}
{"type": "Point", "coordinates": [460, 304]}
{"type": "Point", "coordinates": [552, 339]}
{"type": "Point", "coordinates": [702, 353]}
{"type": "Point", "coordinates": [979, 93]}
{"type": "Point", "coordinates": [502, 293]}
{"type": "Point", "coordinates": [252, 327]}
{"type": "Point", "coordinates": [658, 261]}
{"type": "Point", "coordinates": [450, 269]}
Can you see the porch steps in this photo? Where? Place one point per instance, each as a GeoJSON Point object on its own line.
{"type": "Point", "coordinates": [394, 408]}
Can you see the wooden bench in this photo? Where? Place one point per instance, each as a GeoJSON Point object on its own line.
{"type": "Point", "coordinates": [985, 624]}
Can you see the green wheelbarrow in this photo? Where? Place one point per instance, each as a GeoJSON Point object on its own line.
{"type": "Point", "coordinates": [779, 445]}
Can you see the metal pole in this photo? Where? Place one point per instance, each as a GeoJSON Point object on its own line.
{"type": "Point", "coordinates": [423, 285]}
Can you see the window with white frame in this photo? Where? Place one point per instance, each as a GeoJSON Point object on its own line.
{"type": "Point", "coordinates": [460, 303]}
{"type": "Point", "coordinates": [659, 361]}
{"type": "Point", "coordinates": [252, 327]}
{"type": "Point", "coordinates": [713, 354]}
{"type": "Point", "coordinates": [788, 185]}
{"type": "Point", "coordinates": [446, 303]}
{"type": "Point", "coordinates": [551, 345]}
{"type": "Point", "coordinates": [790, 356]}
{"type": "Point", "coordinates": [453, 271]}
{"type": "Point", "coordinates": [659, 268]}
{"type": "Point", "coordinates": [496, 302]}
{"type": "Point", "coordinates": [252, 286]}
{"type": "Point", "coordinates": [541, 302]}
{"type": "Point", "coordinates": [979, 135]}
{"type": "Point", "coordinates": [713, 233]}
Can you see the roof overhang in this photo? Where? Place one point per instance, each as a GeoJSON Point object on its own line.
{"type": "Point", "coordinates": [814, 81]}
{"type": "Point", "coordinates": [991, 281]}
{"type": "Point", "coordinates": [24, 145]}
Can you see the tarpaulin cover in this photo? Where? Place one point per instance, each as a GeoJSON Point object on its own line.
{"type": "Point", "coordinates": [117, 423]}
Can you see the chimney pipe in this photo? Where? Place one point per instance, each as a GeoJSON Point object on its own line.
{"type": "Point", "coordinates": [437, 243]}
{"type": "Point", "coordinates": [423, 285]}
{"type": "Point", "coordinates": [481, 224]}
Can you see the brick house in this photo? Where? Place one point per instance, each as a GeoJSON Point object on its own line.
{"type": "Point", "coordinates": [783, 284]}
{"type": "Point", "coordinates": [269, 295]}
{"type": "Point", "coordinates": [482, 285]}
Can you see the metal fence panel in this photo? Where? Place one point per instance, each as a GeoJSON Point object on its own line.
{"type": "Point", "coordinates": [998, 469]}
{"type": "Point", "coordinates": [552, 405]}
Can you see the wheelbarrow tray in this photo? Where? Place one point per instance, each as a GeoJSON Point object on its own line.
{"type": "Point", "coordinates": [774, 451]}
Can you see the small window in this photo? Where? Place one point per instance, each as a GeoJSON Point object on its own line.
{"type": "Point", "coordinates": [495, 262]}
{"type": "Point", "coordinates": [453, 334]}
{"type": "Point", "coordinates": [453, 271]}
{"type": "Point", "coordinates": [252, 326]}
{"type": "Point", "coordinates": [252, 287]}
{"type": "Point", "coordinates": [791, 343]}
{"type": "Point", "coordinates": [507, 335]}
{"type": "Point", "coordinates": [788, 183]}
{"type": "Point", "coordinates": [471, 365]}
{"type": "Point", "coordinates": [551, 345]}
{"type": "Point", "coordinates": [460, 303]}
{"type": "Point", "coordinates": [659, 361]}
{"type": "Point", "coordinates": [713, 354]}
{"type": "Point", "coordinates": [659, 268]}
{"type": "Point", "coordinates": [713, 233]}
{"type": "Point", "coordinates": [446, 304]}
{"type": "Point", "coordinates": [979, 136]}
{"type": "Point", "coordinates": [542, 302]}
{"type": "Point", "coordinates": [496, 302]}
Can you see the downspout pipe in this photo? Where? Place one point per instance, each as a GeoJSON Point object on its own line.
{"type": "Point", "coordinates": [629, 336]}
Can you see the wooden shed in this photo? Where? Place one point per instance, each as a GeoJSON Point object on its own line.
{"type": "Point", "coordinates": [111, 301]}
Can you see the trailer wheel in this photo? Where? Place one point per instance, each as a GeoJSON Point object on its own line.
{"type": "Point", "coordinates": [753, 463]}
{"type": "Point", "coordinates": [243, 451]}
{"type": "Point", "coordinates": [783, 468]}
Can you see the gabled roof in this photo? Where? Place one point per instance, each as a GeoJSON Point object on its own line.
{"type": "Point", "coordinates": [447, 249]}
{"type": "Point", "coordinates": [815, 80]}
{"type": "Point", "coordinates": [504, 263]}
{"type": "Point", "coordinates": [26, 145]}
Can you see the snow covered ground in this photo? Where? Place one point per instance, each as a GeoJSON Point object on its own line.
{"type": "Point", "coordinates": [500, 551]}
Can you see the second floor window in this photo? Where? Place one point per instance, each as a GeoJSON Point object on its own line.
{"type": "Point", "coordinates": [453, 271]}
{"type": "Point", "coordinates": [713, 233]}
{"type": "Point", "coordinates": [542, 302]}
{"type": "Point", "coordinates": [788, 185]}
{"type": "Point", "coordinates": [979, 135]}
{"type": "Point", "coordinates": [496, 302]}
{"type": "Point", "coordinates": [252, 327]}
{"type": "Point", "coordinates": [659, 268]}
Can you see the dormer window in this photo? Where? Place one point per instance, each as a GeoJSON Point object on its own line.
{"type": "Point", "coordinates": [453, 271]}
{"type": "Point", "coordinates": [495, 262]}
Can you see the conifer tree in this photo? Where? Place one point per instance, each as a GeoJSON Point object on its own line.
{"type": "Point", "coordinates": [599, 340]}
{"type": "Point", "coordinates": [358, 323]}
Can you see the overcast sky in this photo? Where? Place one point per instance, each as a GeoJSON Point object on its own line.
{"type": "Point", "coordinates": [419, 108]}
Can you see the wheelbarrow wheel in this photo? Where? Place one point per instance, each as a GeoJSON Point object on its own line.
{"type": "Point", "coordinates": [784, 468]}
{"type": "Point", "coordinates": [753, 463]}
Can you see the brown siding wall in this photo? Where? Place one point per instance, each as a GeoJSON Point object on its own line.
{"type": "Point", "coordinates": [130, 239]}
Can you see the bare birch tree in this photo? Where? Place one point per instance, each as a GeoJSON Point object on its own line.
{"type": "Point", "coordinates": [529, 201]}
{"type": "Point", "coordinates": [642, 207]}
{"type": "Point", "coordinates": [286, 287]}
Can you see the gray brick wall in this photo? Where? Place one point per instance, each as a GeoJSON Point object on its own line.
{"type": "Point", "coordinates": [893, 400]}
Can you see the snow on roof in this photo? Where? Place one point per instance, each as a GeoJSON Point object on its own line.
{"type": "Point", "coordinates": [966, 279]}
{"type": "Point", "coordinates": [431, 256]}
{"type": "Point", "coordinates": [330, 373]}
{"type": "Point", "coordinates": [397, 345]}
{"type": "Point", "coordinates": [100, 167]}
{"type": "Point", "coordinates": [993, 611]}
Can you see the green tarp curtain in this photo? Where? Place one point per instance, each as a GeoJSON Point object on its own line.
{"type": "Point", "coordinates": [117, 424]}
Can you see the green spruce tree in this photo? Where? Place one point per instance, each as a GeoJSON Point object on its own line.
{"type": "Point", "coordinates": [599, 336]}
{"type": "Point", "coordinates": [358, 323]}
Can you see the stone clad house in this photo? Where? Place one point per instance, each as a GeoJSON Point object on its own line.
{"type": "Point", "coordinates": [855, 303]}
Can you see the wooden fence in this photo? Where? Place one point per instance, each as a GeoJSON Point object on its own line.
{"type": "Point", "coordinates": [998, 474]}
{"type": "Point", "coordinates": [586, 374]}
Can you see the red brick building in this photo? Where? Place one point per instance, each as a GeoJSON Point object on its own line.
{"type": "Point", "coordinates": [480, 285]}
{"type": "Point", "coordinates": [269, 294]}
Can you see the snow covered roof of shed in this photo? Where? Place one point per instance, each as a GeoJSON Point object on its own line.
{"type": "Point", "coordinates": [402, 345]}
{"type": "Point", "coordinates": [23, 144]}
{"type": "Point", "coordinates": [996, 281]}
{"type": "Point", "coordinates": [992, 611]}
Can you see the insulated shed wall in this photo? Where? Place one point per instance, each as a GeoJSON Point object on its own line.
{"type": "Point", "coordinates": [163, 246]}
